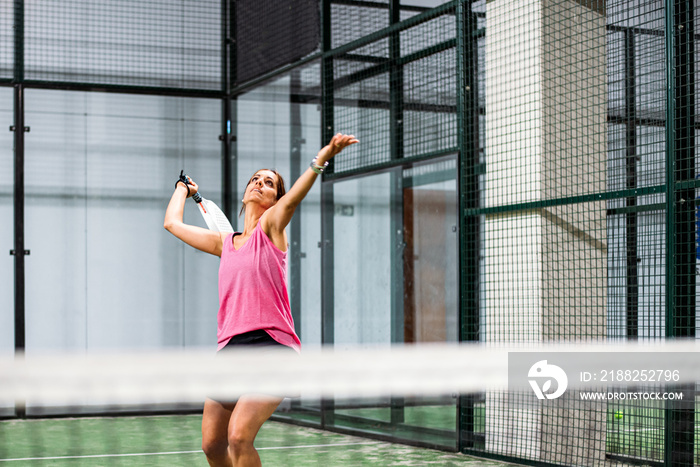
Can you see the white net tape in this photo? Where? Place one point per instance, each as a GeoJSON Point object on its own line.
{"type": "Point", "coordinates": [190, 376]}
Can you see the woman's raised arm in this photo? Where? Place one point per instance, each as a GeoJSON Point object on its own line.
{"type": "Point", "coordinates": [202, 239]}
{"type": "Point", "coordinates": [278, 216]}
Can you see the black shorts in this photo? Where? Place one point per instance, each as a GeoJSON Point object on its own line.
{"type": "Point", "coordinates": [257, 338]}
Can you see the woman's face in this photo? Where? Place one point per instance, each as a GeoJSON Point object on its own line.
{"type": "Point", "coordinates": [262, 188]}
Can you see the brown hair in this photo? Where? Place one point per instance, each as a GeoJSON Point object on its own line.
{"type": "Point", "coordinates": [280, 186]}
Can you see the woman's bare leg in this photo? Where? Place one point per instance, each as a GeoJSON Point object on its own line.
{"type": "Point", "coordinates": [215, 422]}
{"type": "Point", "coordinates": [250, 413]}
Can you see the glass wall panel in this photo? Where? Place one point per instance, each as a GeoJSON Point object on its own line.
{"type": "Point", "coordinates": [362, 280]}
{"type": "Point", "coordinates": [100, 169]}
{"type": "Point", "coordinates": [7, 275]}
{"type": "Point", "coordinates": [310, 232]}
{"type": "Point", "coordinates": [425, 247]}
{"type": "Point", "coordinates": [278, 127]}
{"type": "Point", "coordinates": [7, 270]}
{"type": "Point", "coordinates": [263, 140]}
{"type": "Point", "coordinates": [55, 220]}
{"type": "Point", "coordinates": [431, 289]}
{"type": "Point", "coordinates": [362, 261]}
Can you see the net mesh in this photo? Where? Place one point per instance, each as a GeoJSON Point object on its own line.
{"type": "Point", "coordinates": [136, 408]}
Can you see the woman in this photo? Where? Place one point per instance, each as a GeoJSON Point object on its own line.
{"type": "Point", "coordinates": [253, 302]}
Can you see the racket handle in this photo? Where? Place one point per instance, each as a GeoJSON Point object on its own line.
{"type": "Point", "coordinates": [197, 198]}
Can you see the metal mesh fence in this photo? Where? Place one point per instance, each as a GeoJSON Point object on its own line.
{"type": "Point", "coordinates": [147, 44]}
{"type": "Point", "coordinates": [574, 132]}
{"type": "Point", "coordinates": [6, 40]}
{"type": "Point", "coordinates": [353, 20]}
{"type": "Point", "coordinates": [271, 34]}
{"type": "Point", "coordinates": [398, 94]}
{"type": "Point", "coordinates": [560, 113]}
{"type": "Point", "coordinates": [429, 119]}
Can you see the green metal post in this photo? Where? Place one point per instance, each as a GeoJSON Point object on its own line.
{"type": "Point", "coordinates": [632, 287]}
{"type": "Point", "coordinates": [397, 228]}
{"type": "Point", "coordinates": [680, 216]}
{"type": "Point", "coordinates": [327, 202]}
{"type": "Point", "coordinates": [468, 182]}
{"type": "Point", "coordinates": [295, 171]}
{"type": "Point", "coordinates": [326, 187]}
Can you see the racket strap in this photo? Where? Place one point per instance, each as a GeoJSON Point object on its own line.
{"type": "Point", "coordinates": [183, 178]}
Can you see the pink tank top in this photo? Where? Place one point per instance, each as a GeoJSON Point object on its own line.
{"type": "Point", "coordinates": [253, 291]}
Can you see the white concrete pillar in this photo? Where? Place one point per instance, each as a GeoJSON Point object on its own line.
{"type": "Point", "coordinates": [544, 269]}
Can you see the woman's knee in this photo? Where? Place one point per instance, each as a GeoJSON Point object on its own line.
{"type": "Point", "coordinates": [215, 420]}
{"type": "Point", "coordinates": [214, 446]}
{"type": "Point", "coordinates": [240, 440]}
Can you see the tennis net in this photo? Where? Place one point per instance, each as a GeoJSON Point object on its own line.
{"type": "Point", "coordinates": [569, 404]}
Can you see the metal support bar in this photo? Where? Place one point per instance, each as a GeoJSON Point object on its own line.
{"type": "Point", "coordinates": [397, 247]}
{"type": "Point", "coordinates": [19, 251]}
{"type": "Point", "coordinates": [295, 171]}
{"type": "Point", "coordinates": [397, 244]}
{"type": "Point", "coordinates": [19, 248]}
{"type": "Point", "coordinates": [327, 203]}
{"type": "Point", "coordinates": [680, 216]}
{"type": "Point", "coordinates": [18, 26]}
{"type": "Point", "coordinates": [682, 168]}
{"type": "Point", "coordinates": [547, 203]}
{"type": "Point", "coordinates": [468, 183]}
{"type": "Point", "coordinates": [632, 288]}
{"type": "Point", "coordinates": [396, 153]}
{"type": "Point", "coordinates": [228, 55]}
{"type": "Point", "coordinates": [327, 122]}
{"type": "Point", "coordinates": [364, 4]}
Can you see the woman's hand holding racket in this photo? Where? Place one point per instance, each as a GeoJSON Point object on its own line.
{"type": "Point", "coordinates": [187, 182]}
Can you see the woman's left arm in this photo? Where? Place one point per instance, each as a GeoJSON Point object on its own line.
{"type": "Point", "coordinates": [278, 216]}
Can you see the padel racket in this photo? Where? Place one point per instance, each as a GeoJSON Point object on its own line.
{"type": "Point", "coordinates": [213, 216]}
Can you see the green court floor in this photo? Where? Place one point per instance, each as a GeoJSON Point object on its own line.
{"type": "Point", "coordinates": [175, 441]}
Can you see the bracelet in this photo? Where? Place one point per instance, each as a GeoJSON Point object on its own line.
{"type": "Point", "coordinates": [318, 168]}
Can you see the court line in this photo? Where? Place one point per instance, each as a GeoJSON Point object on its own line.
{"type": "Point", "coordinates": [97, 456]}
{"type": "Point", "coordinates": [359, 443]}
